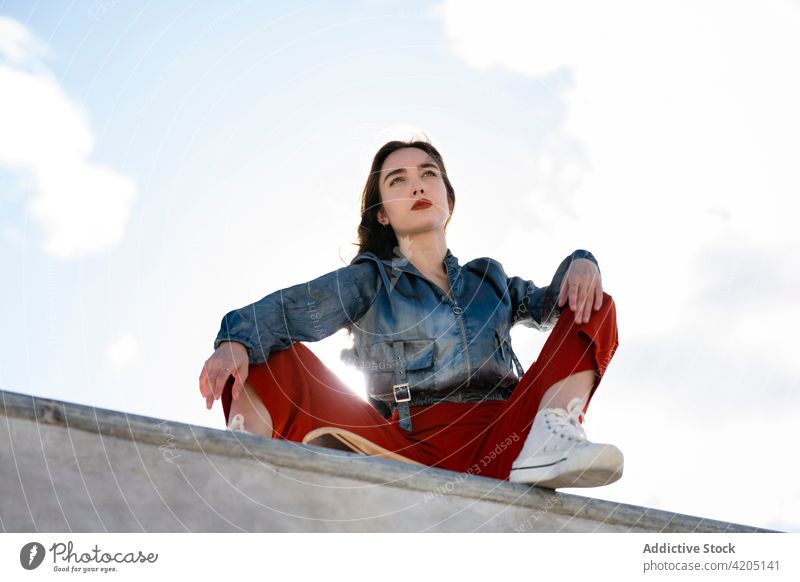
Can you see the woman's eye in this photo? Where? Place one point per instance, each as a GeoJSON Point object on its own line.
{"type": "Point", "coordinates": [431, 172]}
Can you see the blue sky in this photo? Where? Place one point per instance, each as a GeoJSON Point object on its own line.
{"type": "Point", "coordinates": [163, 163]}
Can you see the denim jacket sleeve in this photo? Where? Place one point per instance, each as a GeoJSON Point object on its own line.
{"type": "Point", "coordinates": [537, 307]}
{"type": "Point", "coordinates": [306, 312]}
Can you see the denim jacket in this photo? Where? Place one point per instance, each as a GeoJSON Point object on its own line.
{"type": "Point", "coordinates": [415, 344]}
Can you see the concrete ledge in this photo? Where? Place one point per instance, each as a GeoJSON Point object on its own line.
{"type": "Point", "coordinates": [68, 467]}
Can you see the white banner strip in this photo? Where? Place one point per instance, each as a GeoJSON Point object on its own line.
{"type": "Point", "coordinates": [399, 557]}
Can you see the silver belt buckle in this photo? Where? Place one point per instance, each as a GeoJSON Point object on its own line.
{"type": "Point", "coordinates": [408, 392]}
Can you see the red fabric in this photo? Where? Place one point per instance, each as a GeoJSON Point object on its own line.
{"type": "Point", "coordinates": [482, 438]}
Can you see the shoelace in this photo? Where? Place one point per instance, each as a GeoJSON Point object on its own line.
{"type": "Point", "coordinates": [567, 422]}
{"type": "Point", "coordinates": [237, 424]}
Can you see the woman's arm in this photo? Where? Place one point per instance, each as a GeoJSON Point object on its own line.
{"type": "Point", "coordinates": [537, 307]}
{"type": "Point", "coordinates": [305, 312]}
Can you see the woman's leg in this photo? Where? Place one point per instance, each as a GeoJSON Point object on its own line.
{"type": "Point", "coordinates": [577, 385]}
{"type": "Point", "coordinates": [573, 360]}
{"type": "Point", "coordinates": [300, 394]}
{"type": "Point", "coordinates": [257, 418]}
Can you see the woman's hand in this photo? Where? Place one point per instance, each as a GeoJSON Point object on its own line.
{"type": "Point", "coordinates": [229, 359]}
{"type": "Point", "coordinates": [584, 288]}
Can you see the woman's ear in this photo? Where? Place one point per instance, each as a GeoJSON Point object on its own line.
{"type": "Point", "coordinates": [382, 217]}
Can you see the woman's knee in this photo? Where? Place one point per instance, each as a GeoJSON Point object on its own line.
{"type": "Point", "coordinates": [291, 357]}
{"type": "Point", "coordinates": [280, 369]}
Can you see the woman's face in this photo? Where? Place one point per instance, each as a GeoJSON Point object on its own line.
{"type": "Point", "coordinates": [408, 175]}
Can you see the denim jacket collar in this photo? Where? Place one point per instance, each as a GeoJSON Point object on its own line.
{"type": "Point", "coordinates": [400, 263]}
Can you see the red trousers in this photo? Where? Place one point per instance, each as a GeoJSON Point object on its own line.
{"type": "Point", "coordinates": [481, 438]}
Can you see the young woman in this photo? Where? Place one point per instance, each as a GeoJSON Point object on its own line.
{"type": "Point", "coordinates": [432, 336]}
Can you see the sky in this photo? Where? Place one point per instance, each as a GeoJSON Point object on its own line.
{"type": "Point", "coordinates": [164, 163]}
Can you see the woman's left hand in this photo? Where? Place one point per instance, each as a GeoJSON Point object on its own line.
{"type": "Point", "coordinates": [584, 288]}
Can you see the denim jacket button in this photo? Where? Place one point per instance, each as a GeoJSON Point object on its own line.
{"type": "Point", "coordinates": [457, 310]}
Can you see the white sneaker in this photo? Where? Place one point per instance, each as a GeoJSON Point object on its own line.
{"type": "Point", "coordinates": [558, 454]}
{"type": "Point", "coordinates": [237, 424]}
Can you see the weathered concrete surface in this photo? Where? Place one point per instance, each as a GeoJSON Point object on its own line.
{"type": "Point", "coordinates": [67, 467]}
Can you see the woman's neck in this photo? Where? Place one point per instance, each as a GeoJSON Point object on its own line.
{"type": "Point", "coordinates": [426, 251]}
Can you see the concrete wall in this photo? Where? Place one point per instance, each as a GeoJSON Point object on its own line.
{"type": "Point", "coordinates": [66, 467]}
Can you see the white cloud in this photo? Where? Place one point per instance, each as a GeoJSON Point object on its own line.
{"type": "Point", "coordinates": [83, 207]}
{"type": "Point", "coordinates": [16, 43]}
{"type": "Point", "coordinates": [122, 352]}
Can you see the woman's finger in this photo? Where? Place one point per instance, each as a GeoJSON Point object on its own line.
{"type": "Point", "coordinates": [562, 296]}
{"type": "Point", "coordinates": [587, 307]}
{"type": "Point", "coordinates": [236, 389]}
{"type": "Point", "coordinates": [580, 305]}
{"type": "Point", "coordinates": [204, 381]}
{"type": "Point", "coordinates": [573, 296]}
{"type": "Point", "coordinates": [241, 377]}
{"type": "Point", "coordinates": [219, 381]}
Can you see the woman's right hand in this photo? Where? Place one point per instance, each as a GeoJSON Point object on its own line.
{"type": "Point", "coordinates": [229, 359]}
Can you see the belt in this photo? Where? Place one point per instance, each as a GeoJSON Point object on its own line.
{"type": "Point", "coordinates": [429, 400]}
{"type": "Point", "coordinates": [400, 389]}
{"type": "Point", "coordinates": [404, 399]}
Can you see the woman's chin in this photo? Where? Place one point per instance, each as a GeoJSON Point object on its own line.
{"type": "Point", "coordinates": [424, 223]}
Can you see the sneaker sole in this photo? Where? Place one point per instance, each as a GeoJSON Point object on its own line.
{"type": "Point", "coordinates": [602, 467]}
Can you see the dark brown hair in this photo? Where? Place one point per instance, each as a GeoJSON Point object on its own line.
{"type": "Point", "coordinates": [372, 235]}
